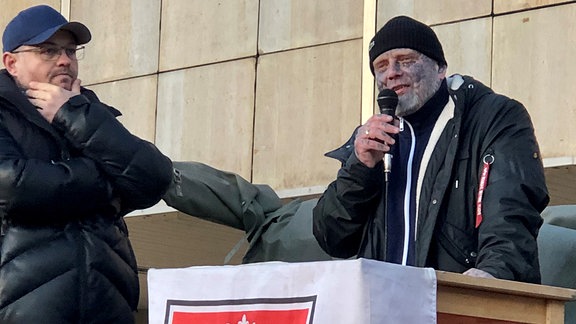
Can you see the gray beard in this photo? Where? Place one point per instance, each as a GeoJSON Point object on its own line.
{"type": "Point", "coordinates": [411, 103]}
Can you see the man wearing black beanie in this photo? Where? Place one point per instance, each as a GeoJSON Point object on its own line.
{"type": "Point", "coordinates": [466, 185]}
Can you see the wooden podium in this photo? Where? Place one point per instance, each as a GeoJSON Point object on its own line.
{"type": "Point", "coordinates": [468, 300]}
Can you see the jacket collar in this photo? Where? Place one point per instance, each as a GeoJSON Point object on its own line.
{"type": "Point", "coordinates": [465, 91]}
{"type": "Point", "coordinates": [10, 92]}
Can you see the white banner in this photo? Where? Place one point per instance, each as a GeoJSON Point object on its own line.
{"type": "Point", "coordinates": [325, 292]}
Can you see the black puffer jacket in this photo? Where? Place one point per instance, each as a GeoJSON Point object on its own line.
{"type": "Point", "coordinates": [475, 124]}
{"type": "Point", "coordinates": [65, 256]}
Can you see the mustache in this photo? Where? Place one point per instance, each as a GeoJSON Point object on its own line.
{"type": "Point", "coordinates": [63, 71]}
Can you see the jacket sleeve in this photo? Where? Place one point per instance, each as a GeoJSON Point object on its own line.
{"type": "Point", "coordinates": [341, 215]}
{"type": "Point", "coordinates": [515, 195]}
{"type": "Point", "coordinates": [59, 190]}
{"type": "Point", "coordinates": [219, 196]}
{"type": "Point", "coordinates": [138, 171]}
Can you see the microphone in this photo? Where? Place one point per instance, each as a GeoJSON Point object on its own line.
{"type": "Point", "coordinates": [387, 101]}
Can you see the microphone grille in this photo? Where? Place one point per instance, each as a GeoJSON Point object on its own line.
{"type": "Point", "coordinates": [387, 98]}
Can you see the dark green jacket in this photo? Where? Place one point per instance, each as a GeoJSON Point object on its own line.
{"type": "Point", "coordinates": [275, 231]}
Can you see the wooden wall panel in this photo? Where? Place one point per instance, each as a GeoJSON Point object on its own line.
{"type": "Point", "coordinates": [468, 47]}
{"type": "Point", "coordinates": [298, 23]}
{"type": "Point", "coordinates": [136, 99]}
{"type": "Point", "coordinates": [124, 38]}
{"type": "Point", "coordinates": [433, 12]}
{"type": "Point", "coordinates": [502, 6]}
{"type": "Point", "coordinates": [196, 32]}
{"type": "Point", "coordinates": [534, 63]}
{"type": "Point", "coordinates": [206, 114]}
{"type": "Point", "coordinates": [307, 102]}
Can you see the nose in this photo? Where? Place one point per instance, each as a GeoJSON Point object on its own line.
{"type": "Point", "coordinates": [63, 58]}
{"type": "Point", "coordinates": [393, 70]}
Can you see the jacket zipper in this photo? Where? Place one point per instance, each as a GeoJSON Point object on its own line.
{"type": "Point", "coordinates": [407, 191]}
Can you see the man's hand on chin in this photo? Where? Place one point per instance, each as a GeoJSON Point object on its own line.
{"type": "Point", "coordinates": [48, 98]}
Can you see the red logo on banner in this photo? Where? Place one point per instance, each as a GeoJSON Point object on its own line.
{"type": "Point", "coordinates": [243, 311]}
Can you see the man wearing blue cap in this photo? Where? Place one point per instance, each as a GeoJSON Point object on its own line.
{"type": "Point", "coordinates": [69, 171]}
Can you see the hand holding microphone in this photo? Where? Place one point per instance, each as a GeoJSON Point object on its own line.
{"type": "Point", "coordinates": [376, 136]}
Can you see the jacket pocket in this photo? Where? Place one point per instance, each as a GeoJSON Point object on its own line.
{"type": "Point", "coordinates": [458, 245]}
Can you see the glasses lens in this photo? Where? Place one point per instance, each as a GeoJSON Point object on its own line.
{"type": "Point", "coordinates": [49, 53]}
{"type": "Point", "coordinates": [53, 53]}
{"type": "Point", "coordinates": [79, 53]}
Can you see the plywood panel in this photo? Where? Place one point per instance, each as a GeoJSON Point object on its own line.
{"type": "Point", "coordinates": [299, 23]}
{"type": "Point", "coordinates": [502, 6]}
{"type": "Point", "coordinates": [533, 62]}
{"type": "Point", "coordinates": [561, 182]}
{"type": "Point", "coordinates": [206, 114]}
{"type": "Point", "coordinates": [11, 8]}
{"type": "Point", "coordinates": [308, 102]}
{"type": "Point", "coordinates": [468, 47]}
{"type": "Point", "coordinates": [136, 99]}
{"type": "Point", "coordinates": [196, 32]}
{"type": "Point", "coordinates": [481, 300]}
{"type": "Point", "coordinates": [176, 240]}
{"type": "Point", "coordinates": [433, 12]}
{"type": "Point", "coordinates": [124, 38]}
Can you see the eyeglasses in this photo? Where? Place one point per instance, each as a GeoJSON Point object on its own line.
{"type": "Point", "coordinates": [52, 53]}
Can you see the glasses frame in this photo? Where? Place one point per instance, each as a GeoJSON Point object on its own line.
{"type": "Point", "coordinates": [77, 55]}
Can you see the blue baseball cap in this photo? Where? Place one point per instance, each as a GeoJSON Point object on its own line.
{"type": "Point", "coordinates": [36, 24]}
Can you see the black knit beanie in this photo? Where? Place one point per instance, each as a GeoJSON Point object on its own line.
{"type": "Point", "coordinates": [405, 32]}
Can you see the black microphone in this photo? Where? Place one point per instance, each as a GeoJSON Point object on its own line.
{"type": "Point", "coordinates": [387, 101]}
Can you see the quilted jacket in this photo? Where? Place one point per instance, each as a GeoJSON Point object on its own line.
{"type": "Point", "coordinates": [65, 256]}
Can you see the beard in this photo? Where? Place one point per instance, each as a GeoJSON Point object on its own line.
{"type": "Point", "coordinates": [63, 77]}
{"type": "Point", "coordinates": [412, 101]}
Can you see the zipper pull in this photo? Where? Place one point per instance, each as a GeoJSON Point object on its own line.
{"type": "Point", "coordinates": [486, 161]}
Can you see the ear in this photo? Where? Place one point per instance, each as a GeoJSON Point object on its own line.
{"type": "Point", "coordinates": [442, 71]}
{"type": "Point", "coordinates": [9, 60]}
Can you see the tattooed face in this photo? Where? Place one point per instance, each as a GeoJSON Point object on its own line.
{"type": "Point", "coordinates": [411, 74]}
